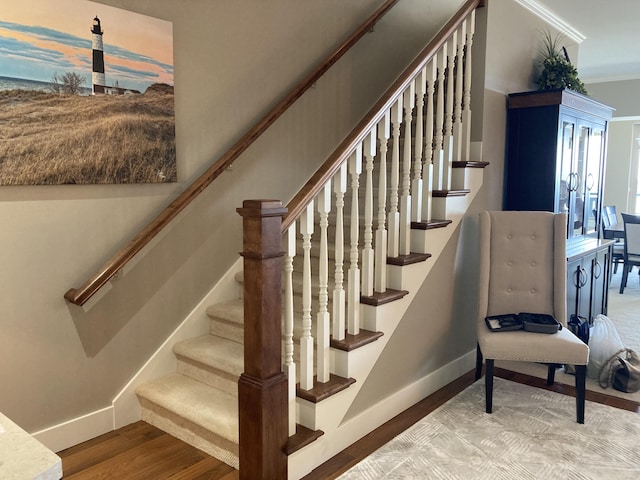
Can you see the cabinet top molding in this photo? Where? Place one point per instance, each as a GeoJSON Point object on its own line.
{"type": "Point", "coordinates": [557, 97]}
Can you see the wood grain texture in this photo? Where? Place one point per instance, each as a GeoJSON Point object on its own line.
{"type": "Point", "coordinates": [127, 451]}
{"type": "Point", "coordinates": [139, 452]}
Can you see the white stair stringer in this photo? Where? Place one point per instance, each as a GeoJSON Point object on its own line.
{"type": "Point", "coordinates": [328, 415]}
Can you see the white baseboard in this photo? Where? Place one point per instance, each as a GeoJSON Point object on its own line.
{"type": "Point", "coordinates": [77, 430]}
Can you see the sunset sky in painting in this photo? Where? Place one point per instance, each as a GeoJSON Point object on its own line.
{"type": "Point", "coordinates": [41, 37]}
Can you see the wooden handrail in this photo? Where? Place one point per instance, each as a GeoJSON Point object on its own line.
{"type": "Point", "coordinates": [79, 296]}
{"type": "Point", "coordinates": [311, 189]}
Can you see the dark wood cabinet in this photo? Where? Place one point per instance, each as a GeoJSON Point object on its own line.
{"type": "Point", "coordinates": [555, 154]}
{"type": "Point", "coordinates": [588, 269]}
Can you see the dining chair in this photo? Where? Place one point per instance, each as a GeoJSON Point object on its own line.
{"type": "Point", "coordinates": [610, 219]}
{"type": "Point", "coordinates": [631, 246]}
{"type": "Point", "coordinates": [523, 268]}
{"type": "Point", "coordinates": [610, 215]}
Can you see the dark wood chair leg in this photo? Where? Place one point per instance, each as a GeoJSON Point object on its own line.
{"type": "Point", "coordinates": [581, 375]}
{"type": "Point", "coordinates": [625, 273]}
{"type": "Point", "coordinates": [488, 384]}
{"type": "Point", "coordinates": [478, 362]}
{"type": "Point", "coordinates": [551, 373]}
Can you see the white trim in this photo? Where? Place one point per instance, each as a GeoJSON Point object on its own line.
{"type": "Point", "coordinates": [631, 118]}
{"type": "Point", "coordinates": [77, 430]}
{"type": "Point", "coordinates": [552, 19]}
{"type": "Point", "coordinates": [587, 80]}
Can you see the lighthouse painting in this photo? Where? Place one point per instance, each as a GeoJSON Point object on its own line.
{"type": "Point", "coordinates": [86, 95]}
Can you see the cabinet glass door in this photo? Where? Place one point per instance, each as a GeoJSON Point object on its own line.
{"type": "Point", "coordinates": [593, 180]}
{"type": "Point", "coordinates": [580, 214]}
{"type": "Point", "coordinates": [567, 178]}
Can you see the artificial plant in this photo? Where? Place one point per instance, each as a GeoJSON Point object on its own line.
{"type": "Point", "coordinates": [557, 70]}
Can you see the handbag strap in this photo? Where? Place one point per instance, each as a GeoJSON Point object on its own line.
{"type": "Point", "coordinates": [610, 365]}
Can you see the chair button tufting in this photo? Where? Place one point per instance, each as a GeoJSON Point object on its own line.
{"type": "Point", "coordinates": [533, 237]}
{"type": "Point", "coordinates": [509, 236]}
{"type": "Point", "coordinates": [533, 290]}
{"type": "Point", "coordinates": [533, 264]}
{"type": "Point", "coordinates": [508, 290]}
{"type": "Point", "coordinates": [509, 263]}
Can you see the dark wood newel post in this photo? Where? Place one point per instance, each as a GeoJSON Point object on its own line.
{"type": "Point", "coordinates": [262, 388]}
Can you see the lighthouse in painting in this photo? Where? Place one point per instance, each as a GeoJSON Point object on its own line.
{"type": "Point", "coordinates": [97, 77]}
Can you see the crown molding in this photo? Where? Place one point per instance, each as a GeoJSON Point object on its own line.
{"type": "Point", "coordinates": [552, 19]}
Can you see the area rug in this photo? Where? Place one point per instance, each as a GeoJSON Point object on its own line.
{"type": "Point", "coordinates": [624, 312]}
{"type": "Point", "coordinates": [531, 434]}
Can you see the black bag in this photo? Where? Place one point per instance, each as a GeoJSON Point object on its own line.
{"type": "Point", "coordinates": [622, 371]}
{"type": "Point", "coordinates": [579, 326]}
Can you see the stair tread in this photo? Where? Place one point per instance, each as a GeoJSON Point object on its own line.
{"type": "Point", "coordinates": [208, 407]}
{"type": "Point", "coordinates": [214, 352]}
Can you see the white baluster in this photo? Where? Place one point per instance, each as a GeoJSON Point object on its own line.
{"type": "Point", "coordinates": [416, 185]}
{"type": "Point", "coordinates": [427, 174]}
{"type": "Point", "coordinates": [438, 154]}
{"type": "Point", "coordinates": [289, 366]}
{"type": "Point", "coordinates": [339, 301]}
{"type": "Point", "coordinates": [381, 232]}
{"type": "Point", "coordinates": [353, 285]}
{"type": "Point", "coordinates": [409, 101]}
{"type": "Point", "coordinates": [370, 145]}
{"type": "Point", "coordinates": [466, 96]}
{"type": "Point", "coordinates": [394, 213]}
{"type": "Point", "coordinates": [306, 340]}
{"type": "Point", "coordinates": [323, 318]}
{"type": "Point", "coordinates": [457, 107]}
{"type": "Point", "coordinates": [447, 142]}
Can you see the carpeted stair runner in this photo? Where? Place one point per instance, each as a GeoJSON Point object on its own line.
{"type": "Point", "coordinates": [199, 414]}
{"type": "Point", "coordinates": [199, 403]}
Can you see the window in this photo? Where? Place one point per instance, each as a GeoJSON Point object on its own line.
{"type": "Point", "coordinates": [634, 177]}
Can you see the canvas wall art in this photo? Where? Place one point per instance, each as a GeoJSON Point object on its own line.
{"type": "Point", "coordinates": [86, 95]}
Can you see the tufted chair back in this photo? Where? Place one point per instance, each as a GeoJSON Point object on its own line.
{"type": "Point", "coordinates": [522, 264]}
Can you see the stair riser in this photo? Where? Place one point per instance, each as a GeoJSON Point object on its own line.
{"type": "Point", "coordinates": [209, 376]}
{"type": "Point", "coordinates": [190, 433]}
{"type": "Point", "coordinates": [221, 328]}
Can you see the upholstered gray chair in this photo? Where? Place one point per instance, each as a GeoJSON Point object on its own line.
{"type": "Point", "coordinates": [523, 269]}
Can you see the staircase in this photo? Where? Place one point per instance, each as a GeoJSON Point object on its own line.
{"type": "Point", "coordinates": [340, 241]}
{"type": "Point", "coordinates": [199, 404]}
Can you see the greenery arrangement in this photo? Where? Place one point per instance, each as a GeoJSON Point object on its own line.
{"type": "Point", "coordinates": [557, 70]}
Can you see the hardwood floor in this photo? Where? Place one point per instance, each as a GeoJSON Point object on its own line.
{"type": "Point", "coordinates": [142, 452]}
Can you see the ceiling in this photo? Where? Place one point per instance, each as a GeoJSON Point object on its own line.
{"type": "Point", "coordinates": [609, 30]}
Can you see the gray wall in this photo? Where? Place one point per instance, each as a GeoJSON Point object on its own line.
{"type": "Point", "coordinates": [232, 61]}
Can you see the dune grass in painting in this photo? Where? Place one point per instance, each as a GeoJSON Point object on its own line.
{"type": "Point", "coordinates": [50, 139]}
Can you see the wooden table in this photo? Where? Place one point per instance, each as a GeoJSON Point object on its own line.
{"type": "Point", "coordinates": [614, 231]}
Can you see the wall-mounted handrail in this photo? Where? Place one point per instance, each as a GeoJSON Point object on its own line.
{"type": "Point", "coordinates": [81, 295]}
{"type": "Point", "coordinates": [311, 189]}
